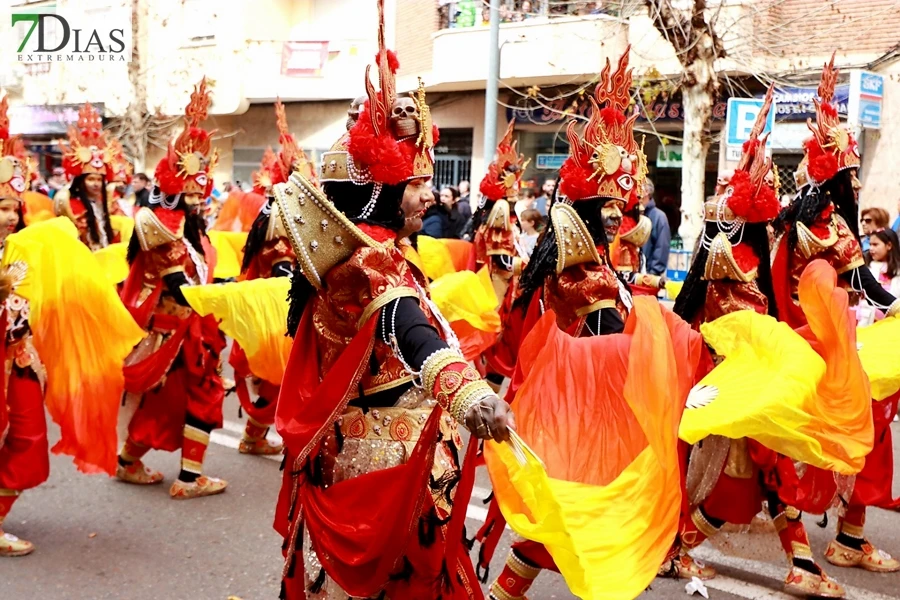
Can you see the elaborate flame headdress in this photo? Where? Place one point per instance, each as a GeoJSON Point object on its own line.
{"type": "Point", "coordinates": [87, 150]}
{"type": "Point", "coordinates": [505, 172]}
{"type": "Point", "coordinates": [15, 163]}
{"type": "Point", "coordinates": [832, 148]}
{"type": "Point", "coordinates": [191, 158]}
{"type": "Point", "coordinates": [750, 193]}
{"type": "Point", "coordinates": [605, 161]}
{"type": "Point", "coordinates": [393, 139]}
{"type": "Point", "coordinates": [277, 168]}
{"type": "Point", "coordinates": [122, 170]}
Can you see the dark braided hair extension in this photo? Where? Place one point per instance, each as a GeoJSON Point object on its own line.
{"type": "Point", "coordinates": [693, 293]}
{"type": "Point", "coordinates": [256, 237]}
{"type": "Point", "coordinates": [78, 190]}
{"type": "Point", "coordinates": [194, 231]}
{"type": "Point", "coordinates": [543, 260]}
{"type": "Point", "coordinates": [350, 199]}
{"type": "Point", "coordinates": [807, 207]}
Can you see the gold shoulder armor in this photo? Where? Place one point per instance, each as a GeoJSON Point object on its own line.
{"type": "Point", "coordinates": [640, 233]}
{"type": "Point", "coordinates": [498, 218]}
{"type": "Point", "coordinates": [151, 232]}
{"type": "Point", "coordinates": [320, 234]}
{"type": "Point", "coordinates": [720, 263]}
{"type": "Point", "coordinates": [61, 206]}
{"type": "Point", "coordinates": [573, 240]}
{"type": "Point", "coordinates": [810, 244]}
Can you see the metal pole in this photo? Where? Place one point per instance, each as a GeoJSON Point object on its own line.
{"type": "Point", "coordinates": [491, 85]}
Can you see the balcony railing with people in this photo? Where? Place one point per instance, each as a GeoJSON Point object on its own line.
{"type": "Point", "coordinates": [474, 13]}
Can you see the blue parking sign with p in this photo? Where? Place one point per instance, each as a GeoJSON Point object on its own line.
{"type": "Point", "coordinates": [739, 119]}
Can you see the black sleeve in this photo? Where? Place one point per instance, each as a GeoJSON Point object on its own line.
{"type": "Point", "coordinates": [862, 280]}
{"type": "Point", "coordinates": [282, 268]}
{"type": "Point", "coordinates": [173, 282]}
{"type": "Point", "coordinates": [417, 339]}
{"type": "Point", "coordinates": [604, 322]}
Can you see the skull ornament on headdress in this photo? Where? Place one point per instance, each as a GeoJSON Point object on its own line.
{"type": "Point", "coordinates": [393, 139]}
{"type": "Point", "coordinates": [605, 161]}
{"type": "Point", "coordinates": [190, 160]}
{"type": "Point", "coordinates": [15, 163]}
{"type": "Point", "coordinates": [505, 172]}
{"type": "Point", "coordinates": [87, 150]}
{"type": "Point", "coordinates": [277, 168]}
{"type": "Point", "coordinates": [832, 148]}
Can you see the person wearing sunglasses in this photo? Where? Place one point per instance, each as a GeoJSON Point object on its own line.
{"type": "Point", "coordinates": [872, 220]}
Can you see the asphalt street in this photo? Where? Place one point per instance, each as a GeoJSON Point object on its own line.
{"type": "Point", "coordinates": [98, 539]}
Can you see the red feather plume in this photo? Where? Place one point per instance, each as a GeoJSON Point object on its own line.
{"type": "Point", "coordinates": [574, 182]}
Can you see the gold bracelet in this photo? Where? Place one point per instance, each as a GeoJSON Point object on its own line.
{"type": "Point", "coordinates": [893, 309]}
{"type": "Point", "coordinates": [435, 363]}
{"type": "Point", "coordinates": [468, 396]}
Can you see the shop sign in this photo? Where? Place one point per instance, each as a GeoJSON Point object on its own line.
{"type": "Point", "coordinates": [866, 97]}
{"type": "Point", "coordinates": [551, 162]}
{"type": "Point", "coordinates": [669, 156]}
{"type": "Point", "coordinates": [45, 120]}
{"type": "Point", "coordinates": [303, 59]}
{"type": "Point", "coordinates": [796, 103]}
{"type": "Point", "coordinates": [549, 112]}
{"type": "Point", "coordinates": [742, 114]}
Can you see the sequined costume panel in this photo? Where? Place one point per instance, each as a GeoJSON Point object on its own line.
{"type": "Point", "coordinates": [273, 252]}
{"type": "Point", "coordinates": [629, 257]}
{"type": "Point", "coordinates": [578, 290]}
{"type": "Point", "coordinates": [351, 287]}
{"type": "Point", "coordinates": [725, 296]}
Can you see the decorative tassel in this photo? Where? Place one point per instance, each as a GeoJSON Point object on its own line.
{"type": "Point", "coordinates": [824, 522]}
{"type": "Point", "coordinates": [488, 501]}
{"type": "Point", "coordinates": [240, 412]}
{"type": "Point", "coordinates": [468, 543]}
{"type": "Point", "coordinates": [317, 585]}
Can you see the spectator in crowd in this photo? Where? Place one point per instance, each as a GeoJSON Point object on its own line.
{"type": "Point", "coordinates": [542, 202]}
{"type": "Point", "coordinates": [872, 219]}
{"type": "Point", "coordinates": [436, 222]}
{"type": "Point", "coordinates": [486, 16]}
{"type": "Point", "coordinates": [526, 11]}
{"type": "Point", "coordinates": [463, 190]}
{"type": "Point", "coordinates": [883, 259]}
{"type": "Point", "coordinates": [506, 15]}
{"type": "Point", "coordinates": [449, 199]}
{"type": "Point", "coordinates": [532, 224]}
{"type": "Point", "coordinates": [57, 180]}
{"type": "Point", "coordinates": [141, 186]}
{"type": "Point", "coordinates": [464, 206]}
{"type": "Point", "coordinates": [656, 250]}
{"type": "Point", "coordinates": [526, 200]}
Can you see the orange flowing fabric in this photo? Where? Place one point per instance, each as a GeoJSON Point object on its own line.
{"type": "Point", "coordinates": [82, 332]}
{"type": "Point", "coordinates": [38, 207]}
{"type": "Point", "coordinates": [602, 413]}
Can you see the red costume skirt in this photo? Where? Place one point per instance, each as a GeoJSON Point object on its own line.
{"type": "Point", "coordinates": [25, 454]}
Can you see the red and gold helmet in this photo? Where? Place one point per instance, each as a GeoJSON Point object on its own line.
{"type": "Point", "coordinates": [605, 161]}
{"type": "Point", "coordinates": [122, 170]}
{"type": "Point", "coordinates": [188, 164]}
{"type": "Point", "coordinates": [393, 139]}
{"type": "Point", "coordinates": [749, 194]}
{"type": "Point", "coordinates": [505, 173]}
{"type": "Point", "coordinates": [832, 148]}
{"type": "Point", "coordinates": [277, 168]}
{"type": "Point", "coordinates": [87, 150]}
{"type": "Point", "coordinates": [16, 168]}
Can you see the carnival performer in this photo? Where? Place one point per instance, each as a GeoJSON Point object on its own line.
{"type": "Point", "coordinates": [268, 253]}
{"type": "Point", "coordinates": [497, 244]}
{"type": "Point", "coordinates": [627, 256]}
{"type": "Point", "coordinates": [48, 360]}
{"type": "Point", "coordinates": [820, 224]}
{"type": "Point", "coordinates": [176, 369]}
{"type": "Point", "coordinates": [578, 370]}
{"type": "Point", "coordinates": [731, 273]}
{"type": "Point", "coordinates": [87, 160]}
{"type": "Point", "coordinates": [373, 394]}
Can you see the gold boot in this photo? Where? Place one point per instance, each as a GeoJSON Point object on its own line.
{"type": "Point", "coordinates": [10, 545]}
{"type": "Point", "coordinates": [204, 486]}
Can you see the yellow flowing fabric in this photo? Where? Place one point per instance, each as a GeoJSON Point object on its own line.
{"type": "Point", "coordinates": [124, 225]}
{"type": "Point", "coordinates": [602, 413]}
{"type": "Point", "coordinates": [467, 296]}
{"type": "Point", "coordinates": [254, 313]}
{"type": "Point", "coordinates": [436, 258]}
{"type": "Point", "coordinates": [230, 250]}
{"type": "Point", "coordinates": [114, 262]}
{"type": "Point", "coordinates": [803, 394]}
{"type": "Point", "coordinates": [82, 333]}
{"type": "Point", "coordinates": [879, 353]}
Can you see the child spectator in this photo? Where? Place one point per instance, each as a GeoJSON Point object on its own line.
{"type": "Point", "coordinates": [532, 224]}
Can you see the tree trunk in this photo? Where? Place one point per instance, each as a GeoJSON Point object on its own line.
{"type": "Point", "coordinates": [698, 96]}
